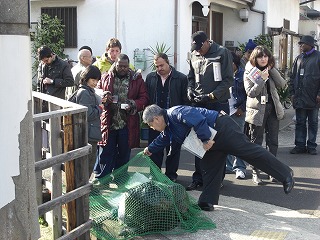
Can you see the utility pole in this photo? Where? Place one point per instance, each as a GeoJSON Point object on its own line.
{"type": "Point", "coordinates": [18, 206]}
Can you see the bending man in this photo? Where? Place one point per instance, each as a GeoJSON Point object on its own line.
{"type": "Point", "coordinates": [176, 122]}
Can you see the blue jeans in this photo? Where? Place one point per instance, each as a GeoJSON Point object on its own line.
{"type": "Point", "coordinates": [234, 163]}
{"type": "Point", "coordinates": [217, 106]}
{"type": "Point", "coordinates": [301, 128]}
{"type": "Point", "coordinates": [114, 155]}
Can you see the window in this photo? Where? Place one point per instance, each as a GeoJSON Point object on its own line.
{"type": "Point", "coordinates": [68, 15]}
{"type": "Point", "coordinates": [199, 22]}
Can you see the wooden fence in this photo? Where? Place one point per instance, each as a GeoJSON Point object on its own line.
{"type": "Point", "coordinates": [61, 148]}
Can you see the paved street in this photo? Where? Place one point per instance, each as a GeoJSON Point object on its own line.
{"type": "Point", "coordinates": [247, 211]}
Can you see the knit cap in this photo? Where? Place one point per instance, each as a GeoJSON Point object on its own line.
{"type": "Point", "coordinates": [250, 45]}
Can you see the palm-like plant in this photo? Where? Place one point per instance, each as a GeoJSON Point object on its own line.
{"type": "Point", "coordinates": [159, 48]}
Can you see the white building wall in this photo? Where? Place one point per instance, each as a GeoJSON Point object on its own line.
{"type": "Point", "coordinates": [95, 22]}
{"type": "Point", "coordinates": [12, 46]}
{"type": "Point", "coordinates": [310, 27]}
{"type": "Point", "coordinates": [284, 9]}
{"type": "Point", "coordinates": [316, 5]}
{"type": "Point", "coordinates": [138, 25]}
{"type": "Point", "coordinates": [184, 34]}
{"type": "Point", "coordinates": [235, 29]}
{"type": "Point", "coordinates": [141, 24]}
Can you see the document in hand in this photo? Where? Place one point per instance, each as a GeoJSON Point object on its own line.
{"type": "Point", "coordinates": [254, 74]}
{"type": "Point", "coordinates": [194, 145]}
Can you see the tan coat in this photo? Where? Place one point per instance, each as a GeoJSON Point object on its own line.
{"type": "Point", "coordinates": [255, 109]}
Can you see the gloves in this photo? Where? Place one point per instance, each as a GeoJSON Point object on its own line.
{"type": "Point", "coordinates": [191, 94]}
{"type": "Point", "coordinates": [202, 98]}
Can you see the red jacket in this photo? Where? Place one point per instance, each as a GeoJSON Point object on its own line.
{"type": "Point", "coordinates": [138, 93]}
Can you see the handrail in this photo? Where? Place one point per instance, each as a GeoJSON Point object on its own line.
{"type": "Point", "coordinates": [78, 231]}
{"type": "Point", "coordinates": [73, 153]}
{"type": "Point", "coordinates": [67, 197]}
{"type": "Point", "coordinates": [61, 158]}
{"type": "Point", "coordinates": [68, 107]}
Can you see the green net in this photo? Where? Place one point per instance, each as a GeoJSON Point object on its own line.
{"type": "Point", "coordinates": [137, 199]}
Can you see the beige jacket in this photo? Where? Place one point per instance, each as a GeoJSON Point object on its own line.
{"type": "Point", "coordinates": [256, 92]}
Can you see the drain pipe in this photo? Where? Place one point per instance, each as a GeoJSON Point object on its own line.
{"type": "Point", "coordinates": [175, 36]}
{"type": "Point", "coordinates": [251, 5]}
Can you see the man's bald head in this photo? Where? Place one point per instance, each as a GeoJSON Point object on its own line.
{"type": "Point", "coordinates": [85, 57]}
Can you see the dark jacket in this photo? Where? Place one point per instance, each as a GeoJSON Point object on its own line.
{"type": "Point", "coordinates": [179, 121]}
{"type": "Point", "coordinates": [201, 75]}
{"type": "Point", "coordinates": [177, 88]}
{"type": "Point", "coordinates": [305, 87]}
{"type": "Point", "coordinates": [60, 72]}
{"type": "Point", "coordinates": [238, 90]}
{"type": "Point", "coordinates": [87, 97]}
{"type": "Point", "coordinates": [137, 94]}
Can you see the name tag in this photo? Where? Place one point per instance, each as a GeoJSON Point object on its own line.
{"type": "Point", "coordinates": [301, 71]}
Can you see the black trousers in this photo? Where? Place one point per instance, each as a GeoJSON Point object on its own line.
{"type": "Point", "coordinates": [230, 140]}
{"type": "Point", "coordinates": [172, 158]}
{"type": "Point", "coordinates": [217, 106]}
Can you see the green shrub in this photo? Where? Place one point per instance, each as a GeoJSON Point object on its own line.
{"type": "Point", "coordinates": [50, 32]}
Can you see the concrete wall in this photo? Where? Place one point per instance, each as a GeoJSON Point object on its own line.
{"type": "Point", "coordinates": [18, 207]}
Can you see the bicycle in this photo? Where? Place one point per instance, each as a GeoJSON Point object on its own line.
{"type": "Point", "coordinates": [285, 97]}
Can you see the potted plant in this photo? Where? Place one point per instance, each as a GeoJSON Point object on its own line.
{"type": "Point", "coordinates": [159, 48]}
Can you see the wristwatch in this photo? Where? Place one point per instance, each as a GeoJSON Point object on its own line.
{"type": "Point", "coordinates": [211, 96]}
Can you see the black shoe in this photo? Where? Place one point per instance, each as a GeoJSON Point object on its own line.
{"type": "Point", "coordinates": [193, 186]}
{"type": "Point", "coordinates": [312, 151]}
{"type": "Point", "coordinates": [297, 150]}
{"type": "Point", "coordinates": [288, 184]}
{"type": "Point", "coordinates": [206, 206]}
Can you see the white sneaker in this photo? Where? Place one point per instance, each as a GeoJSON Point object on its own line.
{"type": "Point", "coordinates": [240, 174]}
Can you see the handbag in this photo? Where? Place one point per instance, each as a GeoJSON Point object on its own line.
{"type": "Point", "coordinates": [94, 132]}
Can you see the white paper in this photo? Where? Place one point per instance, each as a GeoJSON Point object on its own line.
{"type": "Point", "coordinates": [194, 145]}
{"type": "Point", "coordinates": [217, 71]}
{"type": "Point", "coordinates": [232, 101]}
{"type": "Point", "coordinates": [99, 91]}
{"type": "Point", "coordinates": [254, 74]}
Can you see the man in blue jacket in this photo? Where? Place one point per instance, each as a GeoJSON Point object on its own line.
{"type": "Point", "coordinates": [175, 124]}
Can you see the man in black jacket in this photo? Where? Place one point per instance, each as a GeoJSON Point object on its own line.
{"type": "Point", "coordinates": [167, 88]}
{"type": "Point", "coordinates": [54, 74]}
{"type": "Point", "coordinates": [304, 88]}
{"type": "Point", "coordinates": [210, 77]}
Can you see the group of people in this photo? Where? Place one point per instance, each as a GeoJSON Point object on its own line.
{"type": "Point", "coordinates": [173, 103]}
